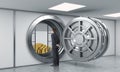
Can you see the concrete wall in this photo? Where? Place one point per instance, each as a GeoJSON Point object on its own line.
{"type": "Point", "coordinates": [6, 38]}
{"type": "Point", "coordinates": [22, 21]}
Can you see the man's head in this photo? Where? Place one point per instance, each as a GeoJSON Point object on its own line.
{"type": "Point", "coordinates": [54, 30]}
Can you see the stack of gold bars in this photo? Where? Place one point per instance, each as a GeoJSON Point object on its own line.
{"type": "Point", "coordinates": [41, 48]}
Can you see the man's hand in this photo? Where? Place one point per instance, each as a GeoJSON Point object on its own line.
{"type": "Point", "coordinates": [57, 45]}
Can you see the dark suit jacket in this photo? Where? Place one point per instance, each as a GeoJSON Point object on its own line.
{"type": "Point", "coordinates": [55, 40]}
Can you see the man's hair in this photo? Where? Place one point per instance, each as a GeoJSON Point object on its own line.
{"type": "Point", "coordinates": [54, 29]}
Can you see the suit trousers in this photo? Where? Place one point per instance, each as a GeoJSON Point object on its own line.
{"type": "Point", "coordinates": [55, 56]}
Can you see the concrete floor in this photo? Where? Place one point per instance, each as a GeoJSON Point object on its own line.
{"type": "Point", "coordinates": [103, 64]}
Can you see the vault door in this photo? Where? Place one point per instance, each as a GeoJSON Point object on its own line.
{"type": "Point", "coordinates": [39, 37]}
{"type": "Point", "coordinates": [85, 39]}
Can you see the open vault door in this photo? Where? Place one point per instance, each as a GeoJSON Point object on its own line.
{"type": "Point", "coordinates": [83, 39]}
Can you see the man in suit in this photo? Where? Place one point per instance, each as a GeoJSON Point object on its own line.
{"type": "Point", "coordinates": [55, 46]}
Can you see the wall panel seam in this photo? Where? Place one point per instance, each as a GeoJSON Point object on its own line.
{"type": "Point", "coordinates": [14, 38]}
{"type": "Point", "coordinates": [115, 38]}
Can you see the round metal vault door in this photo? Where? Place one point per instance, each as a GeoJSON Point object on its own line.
{"type": "Point", "coordinates": [42, 51]}
{"type": "Point", "coordinates": [85, 39]}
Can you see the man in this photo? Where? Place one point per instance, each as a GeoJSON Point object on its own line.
{"type": "Point", "coordinates": [55, 46]}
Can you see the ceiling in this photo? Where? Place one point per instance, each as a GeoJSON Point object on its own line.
{"type": "Point", "coordinates": [95, 8]}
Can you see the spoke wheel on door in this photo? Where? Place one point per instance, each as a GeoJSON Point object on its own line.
{"type": "Point", "coordinates": [85, 39]}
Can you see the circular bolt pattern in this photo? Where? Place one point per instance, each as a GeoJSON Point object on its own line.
{"type": "Point", "coordinates": [85, 39]}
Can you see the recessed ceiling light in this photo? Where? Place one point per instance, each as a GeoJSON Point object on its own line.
{"type": "Point", "coordinates": [66, 7]}
{"type": "Point", "coordinates": [113, 15]}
